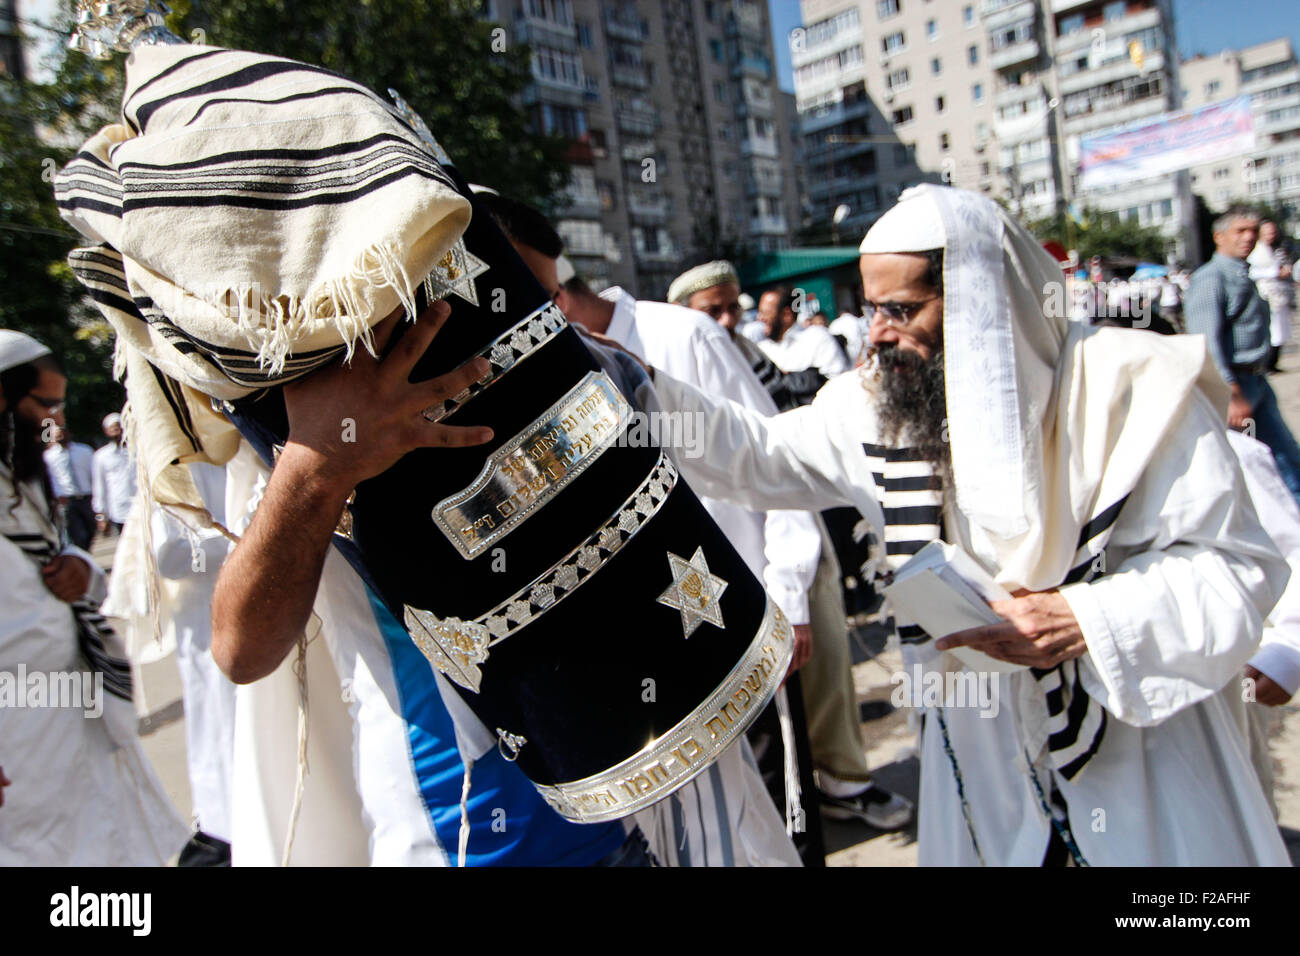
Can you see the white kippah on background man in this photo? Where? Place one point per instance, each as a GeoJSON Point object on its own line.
{"type": "Point", "coordinates": [1086, 471]}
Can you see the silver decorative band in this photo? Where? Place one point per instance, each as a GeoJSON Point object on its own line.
{"type": "Point", "coordinates": [533, 467]}
{"type": "Point", "coordinates": [679, 755]}
{"type": "Point", "coordinates": [505, 352]}
{"type": "Point", "coordinates": [457, 647]}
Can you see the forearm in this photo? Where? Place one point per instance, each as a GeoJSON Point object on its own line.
{"type": "Point", "coordinates": [267, 586]}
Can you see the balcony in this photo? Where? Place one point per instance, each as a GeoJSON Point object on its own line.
{"type": "Point", "coordinates": [636, 150]}
{"type": "Point", "coordinates": [637, 122]}
{"type": "Point", "coordinates": [746, 22]}
{"type": "Point", "coordinates": [1268, 82]}
{"type": "Point", "coordinates": [1152, 62]}
{"type": "Point", "coordinates": [1082, 39]}
{"type": "Point", "coordinates": [623, 28]}
{"type": "Point", "coordinates": [756, 146]}
{"type": "Point", "coordinates": [634, 77]}
{"type": "Point", "coordinates": [768, 186]}
{"type": "Point", "coordinates": [541, 32]}
{"type": "Point", "coordinates": [651, 208]}
{"type": "Point", "coordinates": [997, 14]}
{"type": "Point", "coordinates": [545, 89]}
{"type": "Point", "coordinates": [826, 116]}
{"type": "Point", "coordinates": [755, 66]}
{"type": "Point", "coordinates": [1064, 6]}
{"type": "Point", "coordinates": [1011, 55]}
{"type": "Point", "coordinates": [768, 225]}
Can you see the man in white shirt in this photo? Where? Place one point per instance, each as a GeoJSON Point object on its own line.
{"type": "Point", "coordinates": [69, 464]}
{"type": "Point", "coordinates": [852, 328]}
{"type": "Point", "coordinates": [1272, 276]}
{"type": "Point", "coordinates": [113, 478]}
{"type": "Point", "coordinates": [794, 347]}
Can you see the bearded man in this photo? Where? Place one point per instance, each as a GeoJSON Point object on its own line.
{"type": "Point", "coordinates": [1086, 470]}
{"type": "Point", "coordinates": [76, 788]}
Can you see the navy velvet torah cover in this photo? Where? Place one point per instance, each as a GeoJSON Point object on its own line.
{"type": "Point", "coordinates": [573, 681]}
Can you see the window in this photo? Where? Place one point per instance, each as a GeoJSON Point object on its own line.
{"type": "Point", "coordinates": [715, 50]}
{"type": "Point", "coordinates": [968, 15]}
{"type": "Point", "coordinates": [936, 66]}
{"type": "Point", "coordinates": [932, 29]}
{"type": "Point", "coordinates": [944, 142]}
{"type": "Point", "coordinates": [564, 121]}
{"type": "Point", "coordinates": [720, 91]}
{"type": "Point", "coordinates": [902, 116]}
{"type": "Point", "coordinates": [886, 9]}
{"type": "Point", "coordinates": [938, 104]}
{"type": "Point", "coordinates": [584, 35]}
{"type": "Point", "coordinates": [894, 42]}
{"type": "Point", "coordinates": [1212, 87]}
{"type": "Point", "coordinates": [1071, 24]}
{"type": "Point", "coordinates": [972, 54]}
{"type": "Point", "coordinates": [977, 92]}
{"type": "Point", "coordinates": [1223, 172]}
{"type": "Point", "coordinates": [898, 80]}
{"type": "Point", "coordinates": [1114, 10]}
{"type": "Point", "coordinates": [902, 154]}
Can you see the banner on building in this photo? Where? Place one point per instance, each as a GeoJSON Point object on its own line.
{"type": "Point", "coordinates": [1172, 142]}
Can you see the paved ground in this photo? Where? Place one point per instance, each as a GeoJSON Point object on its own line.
{"type": "Point", "coordinates": [890, 741]}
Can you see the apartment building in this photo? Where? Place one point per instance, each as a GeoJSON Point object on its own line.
{"type": "Point", "coordinates": [1116, 64]}
{"type": "Point", "coordinates": [1269, 74]}
{"type": "Point", "coordinates": [890, 93]}
{"type": "Point", "coordinates": [675, 121]}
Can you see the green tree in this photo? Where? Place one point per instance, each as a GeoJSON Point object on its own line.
{"type": "Point", "coordinates": [1098, 233]}
{"type": "Point", "coordinates": [40, 126]}
{"type": "Point", "coordinates": [461, 74]}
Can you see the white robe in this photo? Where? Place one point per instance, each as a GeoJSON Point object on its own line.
{"type": "Point", "coordinates": [83, 791]}
{"type": "Point", "coordinates": [1192, 575]}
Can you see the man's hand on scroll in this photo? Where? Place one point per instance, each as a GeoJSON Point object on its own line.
{"type": "Point", "coordinates": [347, 423]}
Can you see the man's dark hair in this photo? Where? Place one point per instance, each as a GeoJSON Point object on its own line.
{"type": "Point", "coordinates": [787, 298]}
{"type": "Point", "coordinates": [577, 286]}
{"type": "Point", "coordinates": [20, 444]}
{"type": "Point", "coordinates": [934, 270]}
{"type": "Point", "coordinates": [522, 223]}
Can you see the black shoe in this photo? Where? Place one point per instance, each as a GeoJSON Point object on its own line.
{"type": "Point", "coordinates": [875, 805]}
{"type": "Point", "coordinates": [205, 850]}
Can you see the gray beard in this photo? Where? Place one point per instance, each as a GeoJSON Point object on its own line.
{"type": "Point", "coordinates": [912, 405]}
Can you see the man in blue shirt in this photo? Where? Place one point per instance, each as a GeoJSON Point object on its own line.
{"type": "Point", "coordinates": [1224, 306]}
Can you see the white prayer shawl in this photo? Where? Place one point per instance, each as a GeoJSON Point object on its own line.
{"type": "Point", "coordinates": [253, 219]}
{"type": "Point", "coordinates": [83, 792]}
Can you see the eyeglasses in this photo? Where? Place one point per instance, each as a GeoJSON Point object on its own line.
{"type": "Point", "coordinates": [51, 405]}
{"type": "Point", "coordinates": [895, 313]}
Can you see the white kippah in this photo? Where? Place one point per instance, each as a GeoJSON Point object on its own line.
{"type": "Point", "coordinates": [16, 349]}
{"type": "Point", "coordinates": [913, 225]}
{"type": "Point", "coordinates": [701, 277]}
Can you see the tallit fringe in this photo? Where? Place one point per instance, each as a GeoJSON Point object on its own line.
{"type": "Point", "coordinates": [273, 324]}
{"type": "Point", "coordinates": [793, 791]}
{"type": "Point", "coordinates": [146, 503]}
{"type": "Point", "coordinates": [462, 841]}
{"type": "Point", "coordinates": [300, 779]}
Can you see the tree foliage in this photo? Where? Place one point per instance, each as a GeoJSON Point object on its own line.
{"type": "Point", "coordinates": [1098, 233]}
{"type": "Point", "coordinates": [457, 71]}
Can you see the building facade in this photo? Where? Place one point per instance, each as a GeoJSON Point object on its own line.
{"type": "Point", "coordinates": [989, 95]}
{"type": "Point", "coordinates": [1269, 74]}
{"type": "Point", "coordinates": [675, 122]}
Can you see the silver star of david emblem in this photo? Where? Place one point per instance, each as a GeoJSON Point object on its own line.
{"type": "Point", "coordinates": [694, 591]}
{"type": "Point", "coordinates": [455, 273]}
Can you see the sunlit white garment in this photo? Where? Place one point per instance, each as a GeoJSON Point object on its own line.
{"type": "Point", "coordinates": [188, 563]}
{"type": "Point", "coordinates": [1191, 576]}
{"type": "Point", "coordinates": [114, 482]}
{"type": "Point", "coordinates": [725, 817]}
{"type": "Point", "coordinates": [70, 468]}
{"type": "Point", "coordinates": [806, 346]}
{"type": "Point", "coordinates": [1265, 270]}
{"type": "Point", "coordinates": [1279, 651]}
{"type": "Point", "coordinates": [853, 329]}
{"type": "Point", "coordinates": [83, 791]}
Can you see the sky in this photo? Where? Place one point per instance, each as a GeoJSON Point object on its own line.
{"type": "Point", "coordinates": [1203, 26]}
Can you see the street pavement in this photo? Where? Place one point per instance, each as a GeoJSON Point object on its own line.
{"type": "Point", "coordinates": [889, 735]}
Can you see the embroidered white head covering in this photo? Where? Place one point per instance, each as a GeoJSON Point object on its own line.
{"type": "Point", "coordinates": [701, 277]}
{"type": "Point", "coordinates": [18, 348]}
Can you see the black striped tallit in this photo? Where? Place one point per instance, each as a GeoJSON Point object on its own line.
{"type": "Point", "coordinates": [93, 631]}
{"type": "Point", "coordinates": [911, 500]}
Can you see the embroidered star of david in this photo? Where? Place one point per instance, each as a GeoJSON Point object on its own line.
{"type": "Point", "coordinates": [694, 591]}
{"type": "Point", "coordinates": [455, 273]}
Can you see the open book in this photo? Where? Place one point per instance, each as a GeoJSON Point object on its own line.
{"type": "Point", "coordinates": [943, 590]}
